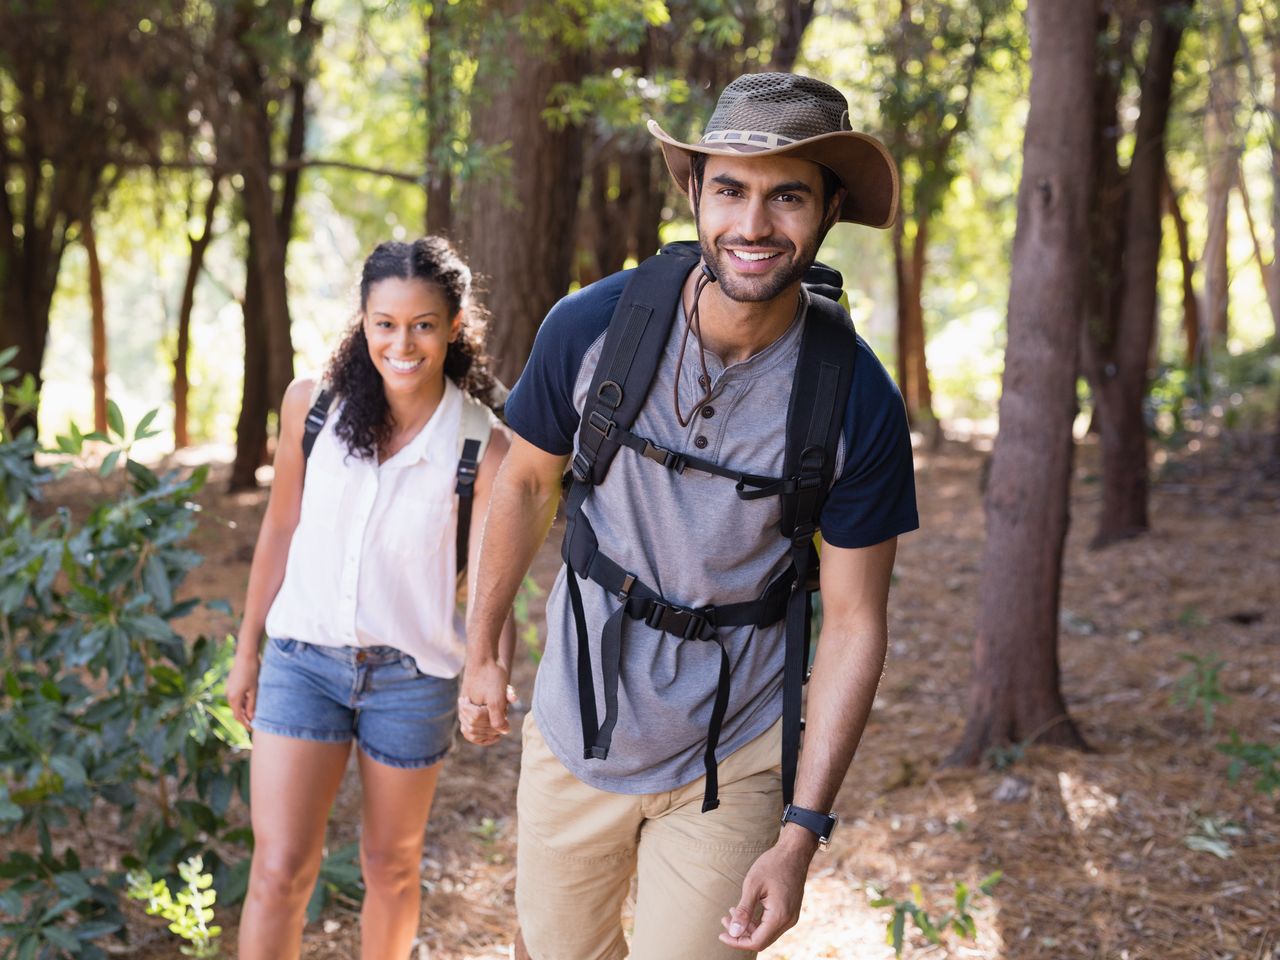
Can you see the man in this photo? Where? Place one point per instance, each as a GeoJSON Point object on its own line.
{"type": "Point", "coordinates": [670, 623]}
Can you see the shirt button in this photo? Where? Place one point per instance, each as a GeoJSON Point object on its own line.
{"type": "Point", "coordinates": [700, 442]}
{"type": "Point", "coordinates": [704, 381]}
{"type": "Point", "coordinates": [708, 411]}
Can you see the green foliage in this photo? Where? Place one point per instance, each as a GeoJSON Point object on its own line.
{"type": "Point", "coordinates": [108, 718]}
{"type": "Point", "coordinates": [339, 881]}
{"type": "Point", "coordinates": [189, 913]}
{"type": "Point", "coordinates": [1004, 756]}
{"type": "Point", "coordinates": [1262, 758]}
{"type": "Point", "coordinates": [526, 629]}
{"type": "Point", "coordinates": [1200, 686]}
{"type": "Point", "coordinates": [959, 919]}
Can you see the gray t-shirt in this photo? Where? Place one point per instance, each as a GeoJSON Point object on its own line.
{"type": "Point", "coordinates": [690, 537]}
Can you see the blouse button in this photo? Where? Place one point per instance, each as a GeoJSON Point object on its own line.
{"type": "Point", "coordinates": [700, 442]}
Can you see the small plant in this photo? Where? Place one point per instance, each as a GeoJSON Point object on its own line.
{"type": "Point", "coordinates": [340, 881]}
{"type": "Point", "coordinates": [1004, 756]}
{"type": "Point", "coordinates": [1201, 686]}
{"type": "Point", "coordinates": [1262, 757]}
{"type": "Point", "coordinates": [1212, 835]}
{"type": "Point", "coordinates": [960, 919]}
{"type": "Point", "coordinates": [189, 912]}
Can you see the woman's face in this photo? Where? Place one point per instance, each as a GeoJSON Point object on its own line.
{"type": "Point", "coordinates": [409, 329]}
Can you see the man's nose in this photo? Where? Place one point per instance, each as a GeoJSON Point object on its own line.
{"type": "Point", "coordinates": [754, 223]}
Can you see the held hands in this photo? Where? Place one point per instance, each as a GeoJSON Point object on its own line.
{"type": "Point", "coordinates": [483, 702]}
{"type": "Point", "coordinates": [771, 893]}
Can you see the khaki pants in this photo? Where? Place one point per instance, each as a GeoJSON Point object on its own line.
{"type": "Point", "coordinates": [578, 848]}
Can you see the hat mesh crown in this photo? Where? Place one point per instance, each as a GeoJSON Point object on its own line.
{"type": "Point", "coordinates": [786, 105]}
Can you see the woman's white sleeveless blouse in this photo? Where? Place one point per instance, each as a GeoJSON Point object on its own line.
{"type": "Point", "coordinates": [372, 559]}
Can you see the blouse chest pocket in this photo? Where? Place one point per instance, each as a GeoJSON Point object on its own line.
{"type": "Point", "coordinates": [414, 513]}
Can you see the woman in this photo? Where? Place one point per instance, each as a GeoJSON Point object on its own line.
{"type": "Point", "coordinates": [353, 579]}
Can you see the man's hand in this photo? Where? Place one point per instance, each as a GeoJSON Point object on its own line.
{"type": "Point", "coordinates": [771, 892]}
{"type": "Point", "coordinates": [483, 701]}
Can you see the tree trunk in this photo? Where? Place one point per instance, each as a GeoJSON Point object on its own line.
{"type": "Point", "coordinates": [438, 75]}
{"type": "Point", "coordinates": [1274, 285]}
{"type": "Point", "coordinates": [251, 427]}
{"type": "Point", "coordinates": [181, 382]}
{"type": "Point", "coordinates": [1014, 687]}
{"type": "Point", "coordinates": [1124, 356]}
{"type": "Point", "coordinates": [97, 322]}
{"type": "Point", "coordinates": [1190, 307]}
{"type": "Point", "coordinates": [515, 228]}
{"type": "Point", "coordinates": [648, 181]}
{"type": "Point", "coordinates": [794, 17]}
{"type": "Point", "coordinates": [1220, 136]}
{"type": "Point", "coordinates": [913, 368]}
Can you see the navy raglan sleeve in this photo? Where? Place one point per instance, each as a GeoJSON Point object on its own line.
{"type": "Point", "coordinates": [541, 408]}
{"type": "Point", "coordinates": [874, 499]}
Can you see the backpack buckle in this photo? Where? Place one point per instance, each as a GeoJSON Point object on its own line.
{"type": "Point", "coordinates": [680, 621]}
{"type": "Point", "coordinates": [664, 457]}
{"type": "Point", "coordinates": [581, 469]}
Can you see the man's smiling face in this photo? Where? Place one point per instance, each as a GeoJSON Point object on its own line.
{"type": "Point", "coordinates": [760, 222]}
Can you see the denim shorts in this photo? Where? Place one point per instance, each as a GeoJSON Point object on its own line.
{"type": "Point", "coordinates": [398, 715]}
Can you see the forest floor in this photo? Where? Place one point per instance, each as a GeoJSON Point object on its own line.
{"type": "Point", "coordinates": [1141, 848]}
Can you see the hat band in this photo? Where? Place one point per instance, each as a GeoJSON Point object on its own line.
{"type": "Point", "coordinates": [753, 137]}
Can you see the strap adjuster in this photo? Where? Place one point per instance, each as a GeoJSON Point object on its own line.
{"type": "Point", "coordinates": [581, 468]}
{"type": "Point", "coordinates": [600, 423]}
{"type": "Point", "coordinates": [624, 591]}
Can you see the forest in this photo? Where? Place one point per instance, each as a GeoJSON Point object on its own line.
{"type": "Point", "coordinates": [1075, 746]}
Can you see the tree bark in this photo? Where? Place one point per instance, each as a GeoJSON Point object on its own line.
{"type": "Point", "coordinates": [794, 17]}
{"type": "Point", "coordinates": [437, 73]}
{"type": "Point", "coordinates": [1014, 688]}
{"type": "Point", "coordinates": [1274, 285]}
{"type": "Point", "coordinates": [1220, 136]}
{"type": "Point", "coordinates": [97, 323]}
{"type": "Point", "coordinates": [255, 398]}
{"type": "Point", "coordinates": [181, 381]}
{"type": "Point", "coordinates": [1190, 306]}
{"type": "Point", "coordinates": [913, 369]}
{"type": "Point", "coordinates": [517, 229]}
{"type": "Point", "coordinates": [1119, 356]}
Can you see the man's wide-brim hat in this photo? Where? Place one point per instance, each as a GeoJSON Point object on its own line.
{"type": "Point", "coordinates": [784, 115]}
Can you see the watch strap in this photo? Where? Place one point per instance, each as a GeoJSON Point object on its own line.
{"type": "Point", "coordinates": [820, 824]}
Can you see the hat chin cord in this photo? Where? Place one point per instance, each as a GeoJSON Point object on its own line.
{"type": "Point", "coordinates": [694, 323]}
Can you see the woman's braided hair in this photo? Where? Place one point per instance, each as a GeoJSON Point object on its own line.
{"type": "Point", "coordinates": [363, 422]}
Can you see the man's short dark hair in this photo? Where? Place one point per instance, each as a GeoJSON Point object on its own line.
{"type": "Point", "coordinates": [698, 166]}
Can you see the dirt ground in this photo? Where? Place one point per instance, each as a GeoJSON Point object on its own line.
{"type": "Point", "coordinates": [1099, 850]}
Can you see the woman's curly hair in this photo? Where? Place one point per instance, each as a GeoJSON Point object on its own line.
{"type": "Point", "coordinates": [363, 423]}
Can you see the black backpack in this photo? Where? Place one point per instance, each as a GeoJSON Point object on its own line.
{"type": "Point", "coordinates": [633, 348]}
{"type": "Point", "coordinates": [473, 439]}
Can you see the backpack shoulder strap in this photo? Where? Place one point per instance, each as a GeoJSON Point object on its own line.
{"type": "Point", "coordinates": [629, 360]}
{"type": "Point", "coordinates": [473, 440]}
{"type": "Point", "coordinates": [322, 398]}
{"type": "Point", "coordinates": [815, 415]}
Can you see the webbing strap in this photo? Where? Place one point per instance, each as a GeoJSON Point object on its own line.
{"type": "Point", "coordinates": [316, 417]}
{"type": "Point", "coordinates": [468, 467]}
{"type": "Point", "coordinates": [749, 486]}
{"type": "Point", "coordinates": [629, 358]}
{"type": "Point", "coordinates": [641, 602]}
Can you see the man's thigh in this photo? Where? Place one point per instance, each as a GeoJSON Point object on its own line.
{"type": "Point", "coordinates": [691, 864]}
{"type": "Point", "coordinates": [575, 855]}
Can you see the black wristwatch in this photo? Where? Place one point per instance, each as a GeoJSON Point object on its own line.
{"type": "Point", "coordinates": [818, 823]}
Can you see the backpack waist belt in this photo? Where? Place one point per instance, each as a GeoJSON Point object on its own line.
{"type": "Point", "coordinates": [584, 559]}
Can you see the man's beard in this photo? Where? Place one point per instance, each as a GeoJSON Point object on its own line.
{"type": "Point", "coordinates": [768, 286]}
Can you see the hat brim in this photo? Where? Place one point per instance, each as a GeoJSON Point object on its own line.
{"type": "Point", "coordinates": [864, 166]}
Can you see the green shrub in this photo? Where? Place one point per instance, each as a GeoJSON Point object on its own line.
{"type": "Point", "coordinates": [959, 919]}
{"type": "Point", "coordinates": [108, 718]}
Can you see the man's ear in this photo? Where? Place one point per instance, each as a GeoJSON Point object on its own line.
{"type": "Point", "coordinates": [833, 208]}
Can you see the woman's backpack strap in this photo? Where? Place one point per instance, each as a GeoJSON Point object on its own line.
{"type": "Point", "coordinates": [474, 432]}
{"type": "Point", "coordinates": [322, 398]}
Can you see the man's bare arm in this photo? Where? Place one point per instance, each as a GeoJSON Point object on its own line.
{"type": "Point", "coordinates": [522, 505]}
{"type": "Point", "coordinates": [846, 672]}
